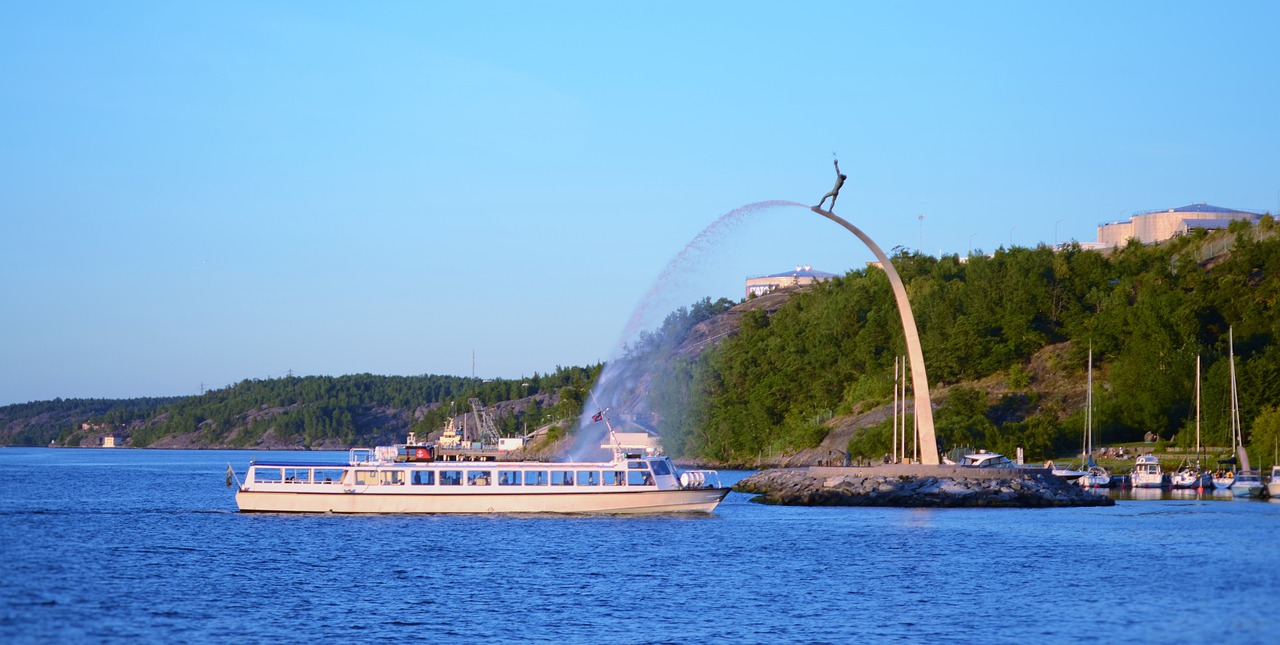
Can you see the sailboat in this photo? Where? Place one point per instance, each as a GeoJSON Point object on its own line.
{"type": "Point", "coordinates": [1095, 476]}
{"type": "Point", "coordinates": [1193, 476]}
{"type": "Point", "coordinates": [1248, 483]}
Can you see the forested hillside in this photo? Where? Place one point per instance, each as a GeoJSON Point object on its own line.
{"type": "Point", "coordinates": [300, 412]}
{"type": "Point", "coordinates": [1146, 310]}
{"type": "Point", "coordinates": [39, 422]}
{"type": "Point", "coordinates": [1004, 336]}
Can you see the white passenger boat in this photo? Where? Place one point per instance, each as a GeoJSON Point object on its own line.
{"type": "Point", "coordinates": [1147, 473]}
{"type": "Point", "coordinates": [1273, 484]}
{"type": "Point", "coordinates": [407, 479]}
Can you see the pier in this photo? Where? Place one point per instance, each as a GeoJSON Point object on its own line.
{"type": "Point", "coordinates": [917, 486]}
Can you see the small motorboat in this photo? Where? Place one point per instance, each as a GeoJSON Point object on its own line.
{"type": "Point", "coordinates": [984, 459]}
{"type": "Point", "coordinates": [1248, 484]}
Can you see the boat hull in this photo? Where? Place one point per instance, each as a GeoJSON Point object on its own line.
{"type": "Point", "coordinates": [1148, 481]}
{"type": "Point", "coordinates": [1094, 481]}
{"type": "Point", "coordinates": [1190, 480]}
{"type": "Point", "coordinates": [702, 500]}
{"type": "Point", "coordinates": [1247, 489]}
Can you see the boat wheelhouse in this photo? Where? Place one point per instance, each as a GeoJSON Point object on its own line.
{"type": "Point", "coordinates": [404, 479]}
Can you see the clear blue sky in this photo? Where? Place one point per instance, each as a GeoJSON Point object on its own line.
{"type": "Point", "coordinates": [205, 192]}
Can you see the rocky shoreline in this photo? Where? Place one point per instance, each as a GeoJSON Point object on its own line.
{"type": "Point", "coordinates": [916, 487]}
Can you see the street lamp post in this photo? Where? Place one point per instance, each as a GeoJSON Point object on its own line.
{"type": "Point", "coordinates": [921, 218]}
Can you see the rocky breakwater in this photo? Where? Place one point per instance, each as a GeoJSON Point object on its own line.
{"type": "Point", "coordinates": [917, 486]}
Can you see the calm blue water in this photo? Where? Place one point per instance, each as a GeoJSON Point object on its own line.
{"type": "Point", "coordinates": [135, 545]}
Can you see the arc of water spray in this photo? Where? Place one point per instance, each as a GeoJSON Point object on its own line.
{"type": "Point", "coordinates": [928, 444]}
{"type": "Point", "coordinates": [615, 377]}
{"type": "Point", "coordinates": [700, 242]}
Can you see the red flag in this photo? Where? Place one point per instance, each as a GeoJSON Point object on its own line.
{"type": "Point", "coordinates": [598, 417]}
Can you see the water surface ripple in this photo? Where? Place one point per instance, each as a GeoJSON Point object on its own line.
{"type": "Point", "coordinates": [146, 546]}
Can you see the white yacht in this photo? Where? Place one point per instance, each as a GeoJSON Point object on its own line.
{"type": "Point", "coordinates": [1190, 477]}
{"type": "Point", "coordinates": [1245, 482]}
{"type": "Point", "coordinates": [1096, 477]}
{"type": "Point", "coordinates": [1248, 484]}
{"type": "Point", "coordinates": [407, 478]}
{"type": "Point", "coordinates": [1147, 473]}
{"type": "Point", "coordinates": [984, 459]}
{"type": "Point", "coordinates": [1066, 474]}
{"type": "Point", "coordinates": [1223, 479]}
{"type": "Point", "coordinates": [1273, 483]}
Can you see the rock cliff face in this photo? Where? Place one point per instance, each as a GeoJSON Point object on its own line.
{"type": "Point", "coordinates": [891, 487]}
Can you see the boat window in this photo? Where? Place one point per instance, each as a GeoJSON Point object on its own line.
{"type": "Point", "coordinates": [327, 475]}
{"type": "Point", "coordinates": [424, 477]}
{"type": "Point", "coordinates": [479, 477]}
{"type": "Point", "coordinates": [266, 475]}
{"type": "Point", "coordinates": [635, 464]}
{"type": "Point", "coordinates": [614, 478]}
{"type": "Point", "coordinates": [451, 478]}
{"type": "Point", "coordinates": [588, 478]}
{"type": "Point", "coordinates": [297, 475]}
{"type": "Point", "coordinates": [639, 478]}
{"type": "Point", "coordinates": [660, 467]}
{"type": "Point", "coordinates": [366, 477]}
{"type": "Point", "coordinates": [508, 478]}
{"type": "Point", "coordinates": [535, 478]}
{"type": "Point", "coordinates": [392, 478]}
{"type": "Point", "coordinates": [562, 478]}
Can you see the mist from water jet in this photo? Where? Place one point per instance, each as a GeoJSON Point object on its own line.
{"type": "Point", "coordinates": [617, 389]}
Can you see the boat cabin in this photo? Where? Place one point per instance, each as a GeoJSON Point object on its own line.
{"type": "Point", "coordinates": [984, 459]}
{"type": "Point", "coordinates": [508, 477]}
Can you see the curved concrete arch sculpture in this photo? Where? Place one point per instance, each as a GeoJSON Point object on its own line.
{"type": "Point", "coordinates": [919, 379]}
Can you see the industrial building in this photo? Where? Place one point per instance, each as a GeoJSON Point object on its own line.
{"type": "Point", "coordinates": [1155, 226]}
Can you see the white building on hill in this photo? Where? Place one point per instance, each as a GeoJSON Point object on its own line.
{"type": "Point", "coordinates": [761, 284]}
{"type": "Point", "coordinates": [1157, 226]}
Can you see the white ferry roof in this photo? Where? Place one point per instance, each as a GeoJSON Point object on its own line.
{"type": "Point", "coordinates": [455, 464]}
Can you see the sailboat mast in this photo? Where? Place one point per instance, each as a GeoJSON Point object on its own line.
{"type": "Point", "coordinates": [895, 409]}
{"type": "Point", "coordinates": [1197, 410]}
{"type": "Point", "coordinates": [1235, 422]}
{"type": "Point", "coordinates": [1088, 412]}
